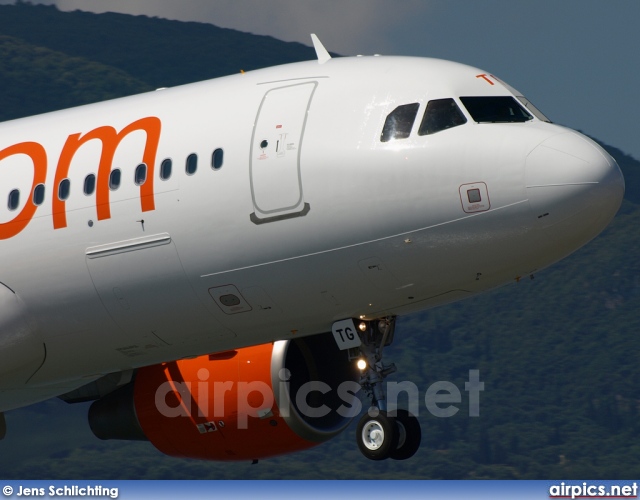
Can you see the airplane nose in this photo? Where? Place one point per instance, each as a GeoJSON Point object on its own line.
{"type": "Point", "coordinates": [574, 188]}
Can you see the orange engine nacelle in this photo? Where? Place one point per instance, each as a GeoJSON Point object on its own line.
{"type": "Point", "coordinates": [246, 404]}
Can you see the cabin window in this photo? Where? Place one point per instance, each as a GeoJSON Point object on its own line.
{"type": "Point", "coordinates": [38, 195]}
{"type": "Point", "coordinates": [64, 188]}
{"type": "Point", "coordinates": [399, 123]}
{"type": "Point", "coordinates": [441, 114]}
{"type": "Point", "coordinates": [89, 184]}
{"type": "Point", "coordinates": [114, 179]}
{"type": "Point", "coordinates": [141, 174]}
{"type": "Point", "coordinates": [192, 164]}
{"type": "Point", "coordinates": [165, 169]}
{"type": "Point", "coordinates": [217, 159]}
{"type": "Point", "coordinates": [495, 109]}
{"type": "Point", "coordinates": [14, 199]}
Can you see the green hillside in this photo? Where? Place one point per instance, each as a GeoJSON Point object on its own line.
{"type": "Point", "coordinates": [558, 354]}
{"type": "Point", "coordinates": [158, 52]}
{"type": "Point", "coordinates": [37, 79]}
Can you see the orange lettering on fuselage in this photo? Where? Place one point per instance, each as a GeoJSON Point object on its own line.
{"type": "Point", "coordinates": [110, 140]}
{"type": "Point", "coordinates": [39, 158]}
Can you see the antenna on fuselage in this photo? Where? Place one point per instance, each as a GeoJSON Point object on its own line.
{"type": "Point", "coordinates": [321, 52]}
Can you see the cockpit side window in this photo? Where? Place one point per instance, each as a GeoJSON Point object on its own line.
{"type": "Point", "coordinates": [441, 114]}
{"type": "Point", "coordinates": [496, 109]}
{"type": "Point", "coordinates": [399, 123]}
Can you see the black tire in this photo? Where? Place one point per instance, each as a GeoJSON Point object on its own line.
{"type": "Point", "coordinates": [411, 433]}
{"type": "Point", "coordinates": [377, 436]}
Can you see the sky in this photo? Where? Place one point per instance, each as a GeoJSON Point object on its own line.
{"type": "Point", "coordinates": [577, 60]}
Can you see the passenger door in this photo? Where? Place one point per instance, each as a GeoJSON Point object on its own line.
{"type": "Point", "coordinates": [276, 145]}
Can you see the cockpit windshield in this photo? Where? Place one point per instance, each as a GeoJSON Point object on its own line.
{"type": "Point", "coordinates": [496, 109]}
{"type": "Point", "coordinates": [523, 100]}
{"type": "Point", "coordinates": [529, 105]}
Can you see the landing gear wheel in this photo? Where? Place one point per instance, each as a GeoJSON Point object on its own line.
{"type": "Point", "coordinates": [410, 435]}
{"type": "Point", "coordinates": [377, 437]}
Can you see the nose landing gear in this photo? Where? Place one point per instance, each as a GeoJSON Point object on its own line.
{"type": "Point", "coordinates": [382, 434]}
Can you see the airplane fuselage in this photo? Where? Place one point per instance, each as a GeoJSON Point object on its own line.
{"type": "Point", "coordinates": [298, 214]}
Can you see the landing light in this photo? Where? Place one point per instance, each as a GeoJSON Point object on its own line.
{"type": "Point", "coordinates": [361, 364]}
{"type": "Point", "coordinates": [362, 326]}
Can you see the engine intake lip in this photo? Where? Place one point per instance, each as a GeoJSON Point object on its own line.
{"type": "Point", "coordinates": [321, 358]}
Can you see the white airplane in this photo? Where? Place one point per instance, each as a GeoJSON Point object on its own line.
{"type": "Point", "coordinates": [209, 262]}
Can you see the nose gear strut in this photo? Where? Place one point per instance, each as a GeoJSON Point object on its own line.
{"type": "Point", "coordinates": [382, 434]}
